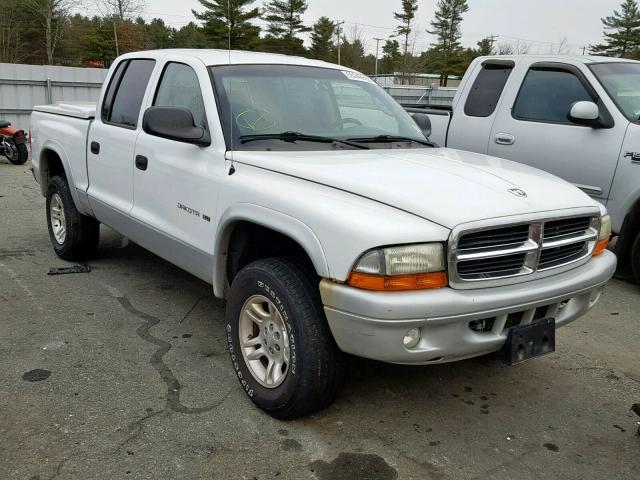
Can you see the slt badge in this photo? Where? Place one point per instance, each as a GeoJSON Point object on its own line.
{"type": "Point", "coordinates": [518, 192]}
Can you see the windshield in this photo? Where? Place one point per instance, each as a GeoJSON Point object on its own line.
{"type": "Point", "coordinates": [271, 100]}
{"type": "Point", "coordinates": [622, 83]}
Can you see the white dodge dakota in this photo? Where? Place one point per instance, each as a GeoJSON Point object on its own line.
{"type": "Point", "coordinates": [320, 210]}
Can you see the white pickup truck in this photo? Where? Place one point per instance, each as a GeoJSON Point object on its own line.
{"type": "Point", "coordinates": [575, 117]}
{"type": "Point", "coordinates": [315, 205]}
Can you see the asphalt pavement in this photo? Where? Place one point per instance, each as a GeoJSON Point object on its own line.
{"type": "Point", "coordinates": [122, 373]}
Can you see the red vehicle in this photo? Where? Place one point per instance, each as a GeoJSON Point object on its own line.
{"type": "Point", "coordinates": [12, 143]}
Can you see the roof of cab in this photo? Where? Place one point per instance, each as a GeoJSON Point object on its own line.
{"type": "Point", "coordinates": [233, 57]}
{"type": "Point", "coordinates": [586, 59]}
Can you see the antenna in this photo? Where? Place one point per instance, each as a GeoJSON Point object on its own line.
{"type": "Point", "coordinates": [232, 168]}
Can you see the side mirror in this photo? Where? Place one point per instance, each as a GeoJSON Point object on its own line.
{"type": "Point", "coordinates": [174, 123]}
{"type": "Point", "coordinates": [585, 113]}
{"type": "Point", "coordinates": [424, 122]}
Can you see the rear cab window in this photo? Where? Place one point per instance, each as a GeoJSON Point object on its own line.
{"type": "Point", "coordinates": [487, 88]}
{"type": "Point", "coordinates": [124, 96]}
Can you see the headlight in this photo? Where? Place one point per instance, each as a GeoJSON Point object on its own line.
{"type": "Point", "coordinates": [605, 234]}
{"type": "Point", "coordinates": [406, 267]}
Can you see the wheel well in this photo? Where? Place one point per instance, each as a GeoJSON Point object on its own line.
{"type": "Point", "coordinates": [50, 166]}
{"type": "Point", "coordinates": [628, 232]}
{"type": "Point", "coordinates": [249, 242]}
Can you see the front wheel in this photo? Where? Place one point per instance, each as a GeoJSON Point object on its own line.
{"type": "Point", "coordinates": [16, 153]}
{"type": "Point", "coordinates": [280, 345]}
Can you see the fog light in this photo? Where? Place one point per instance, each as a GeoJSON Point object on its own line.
{"type": "Point", "coordinates": [411, 338]}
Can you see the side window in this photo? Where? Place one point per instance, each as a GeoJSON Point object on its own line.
{"type": "Point", "coordinates": [111, 90]}
{"type": "Point", "coordinates": [486, 90]}
{"type": "Point", "coordinates": [125, 108]}
{"type": "Point", "coordinates": [547, 95]}
{"type": "Point", "coordinates": [179, 87]}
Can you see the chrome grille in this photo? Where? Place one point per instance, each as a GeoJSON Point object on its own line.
{"type": "Point", "coordinates": [486, 256]}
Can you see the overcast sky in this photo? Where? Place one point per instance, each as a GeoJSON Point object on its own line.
{"type": "Point", "coordinates": [540, 23]}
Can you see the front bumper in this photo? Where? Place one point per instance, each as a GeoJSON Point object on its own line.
{"type": "Point", "coordinates": [373, 324]}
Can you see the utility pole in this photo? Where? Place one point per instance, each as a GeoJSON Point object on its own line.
{"type": "Point", "coordinates": [338, 32]}
{"type": "Point", "coordinates": [584, 49]}
{"type": "Point", "coordinates": [492, 39]}
{"type": "Point", "coordinates": [115, 36]}
{"type": "Point", "coordinates": [378, 40]}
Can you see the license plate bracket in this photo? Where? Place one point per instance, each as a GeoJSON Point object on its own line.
{"type": "Point", "coordinates": [530, 341]}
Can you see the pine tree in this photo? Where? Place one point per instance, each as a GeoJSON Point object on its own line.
{"type": "Point", "coordinates": [228, 21]}
{"type": "Point", "coordinates": [447, 51]}
{"type": "Point", "coordinates": [622, 32]}
{"type": "Point", "coordinates": [391, 57]}
{"type": "Point", "coordinates": [406, 16]}
{"type": "Point", "coordinates": [485, 47]}
{"type": "Point", "coordinates": [285, 21]}
{"type": "Point", "coordinates": [322, 39]}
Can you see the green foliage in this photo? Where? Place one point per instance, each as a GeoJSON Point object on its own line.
{"type": "Point", "coordinates": [229, 23]}
{"type": "Point", "coordinates": [622, 32]}
{"type": "Point", "coordinates": [405, 17]}
{"type": "Point", "coordinates": [285, 22]}
{"type": "Point", "coordinates": [485, 47]}
{"type": "Point", "coordinates": [322, 34]}
{"type": "Point", "coordinates": [446, 56]}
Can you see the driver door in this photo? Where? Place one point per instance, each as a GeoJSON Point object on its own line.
{"type": "Point", "coordinates": [534, 129]}
{"type": "Point", "coordinates": [176, 183]}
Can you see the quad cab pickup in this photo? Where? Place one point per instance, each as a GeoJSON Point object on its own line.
{"type": "Point", "coordinates": [575, 117]}
{"type": "Point", "coordinates": [315, 205]}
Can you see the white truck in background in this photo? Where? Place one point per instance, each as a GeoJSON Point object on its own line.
{"type": "Point", "coordinates": [576, 117]}
{"type": "Point", "coordinates": [315, 205]}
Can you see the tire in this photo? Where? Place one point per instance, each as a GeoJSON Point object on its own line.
{"type": "Point", "coordinates": [81, 233]}
{"type": "Point", "coordinates": [21, 153]}
{"type": "Point", "coordinates": [315, 372]}
{"type": "Point", "coordinates": [635, 259]}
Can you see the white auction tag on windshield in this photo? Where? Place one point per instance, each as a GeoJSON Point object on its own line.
{"type": "Point", "coordinates": [356, 76]}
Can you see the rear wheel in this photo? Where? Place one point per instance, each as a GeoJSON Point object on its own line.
{"type": "Point", "coordinates": [74, 236]}
{"type": "Point", "coordinates": [16, 153]}
{"type": "Point", "coordinates": [280, 345]}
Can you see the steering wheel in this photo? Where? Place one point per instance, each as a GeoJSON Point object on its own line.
{"type": "Point", "coordinates": [342, 121]}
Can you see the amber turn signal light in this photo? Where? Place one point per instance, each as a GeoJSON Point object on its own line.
{"type": "Point", "coordinates": [396, 283]}
{"type": "Point", "coordinates": [601, 246]}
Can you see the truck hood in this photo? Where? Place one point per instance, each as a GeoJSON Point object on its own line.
{"type": "Point", "coordinates": [445, 186]}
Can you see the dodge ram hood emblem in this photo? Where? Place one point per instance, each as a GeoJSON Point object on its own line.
{"type": "Point", "coordinates": [518, 192]}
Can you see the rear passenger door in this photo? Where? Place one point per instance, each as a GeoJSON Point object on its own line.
{"type": "Point", "coordinates": [471, 125]}
{"type": "Point", "coordinates": [532, 127]}
{"type": "Point", "coordinates": [112, 140]}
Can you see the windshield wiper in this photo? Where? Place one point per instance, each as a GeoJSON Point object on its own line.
{"type": "Point", "coordinates": [294, 136]}
{"type": "Point", "coordinates": [389, 139]}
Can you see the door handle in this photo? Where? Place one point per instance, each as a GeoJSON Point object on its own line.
{"type": "Point", "coordinates": [95, 147]}
{"type": "Point", "coordinates": [141, 162]}
{"type": "Point", "coordinates": [505, 139]}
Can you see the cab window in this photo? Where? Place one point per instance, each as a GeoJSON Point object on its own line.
{"type": "Point", "coordinates": [179, 87]}
{"type": "Point", "coordinates": [487, 89]}
{"type": "Point", "coordinates": [122, 108]}
{"type": "Point", "coordinates": [546, 96]}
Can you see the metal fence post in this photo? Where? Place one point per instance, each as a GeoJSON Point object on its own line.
{"type": "Point", "coordinates": [49, 96]}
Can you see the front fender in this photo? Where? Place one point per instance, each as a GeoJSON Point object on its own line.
{"type": "Point", "coordinates": [269, 218]}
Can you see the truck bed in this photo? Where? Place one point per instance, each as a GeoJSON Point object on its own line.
{"type": "Point", "coordinates": [86, 110]}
